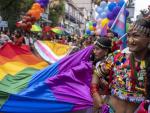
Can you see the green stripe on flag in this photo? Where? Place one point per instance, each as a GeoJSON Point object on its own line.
{"type": "Point", "coordinates": [14, 84]}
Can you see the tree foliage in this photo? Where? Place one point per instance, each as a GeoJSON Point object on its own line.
{"type": "Point", "coordinates": [56, 10]}
{"type": "Point", "coordinates": [10, 10]}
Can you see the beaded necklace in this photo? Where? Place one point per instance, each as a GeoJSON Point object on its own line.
{"type": "Point", "coordinates": [138, 73]}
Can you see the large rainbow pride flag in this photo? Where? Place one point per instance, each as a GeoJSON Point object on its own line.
{"type": "Point", "coordinates": [60, 87]}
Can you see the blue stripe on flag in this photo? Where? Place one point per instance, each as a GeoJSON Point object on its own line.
{"type": "Point", "coordinates": [17, 104]}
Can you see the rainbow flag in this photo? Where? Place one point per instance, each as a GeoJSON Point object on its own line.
{"type": "Point", "coordinates": [119, 26]}
{"type": "Point", "coordinates": [61, 87]}
{"type": "Point", "coordinates": [17, 66]}
{"type": "Point", "coordinates": [52, 51]}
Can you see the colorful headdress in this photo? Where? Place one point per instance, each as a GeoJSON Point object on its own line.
{"type": "Point", "coordinates": [103, 42]}
{"type": "Point", "coordinates": [142, 25]}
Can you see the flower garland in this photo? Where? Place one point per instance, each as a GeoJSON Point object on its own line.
{"type": "Point", "coordinates": [129, 78]}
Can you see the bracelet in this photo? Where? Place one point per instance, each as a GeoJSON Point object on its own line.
{"type": "Point", "coordinates": [94, 88]}
{"type": "Point", "coordinates": [140, 89]}
{"type": "Point", "coordinates": [102, 70]}
{"type": "Point", "coordinates": [96, 72]}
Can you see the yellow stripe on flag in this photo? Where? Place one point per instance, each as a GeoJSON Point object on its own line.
{"type": "Point", "coordinates": [14, 67]}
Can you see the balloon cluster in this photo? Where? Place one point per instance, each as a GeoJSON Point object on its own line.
{"type": "Point", "coordinates": [43, 3]}
{"type": "Point", "coordinates": [32, 15]}
{"type": "Point", "coordinates": [90, 27]}
{"type": "Point", "coordinates": [107, 13]}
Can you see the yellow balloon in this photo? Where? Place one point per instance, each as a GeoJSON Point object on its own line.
{"type": "Point", "coordinates": [104, 22]}
{"type": "Point", "coordinates": [91, 28]}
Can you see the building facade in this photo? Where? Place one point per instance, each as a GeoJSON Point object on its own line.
{"type": "Point", "coordinates": [77, 12]}
{"type": "Point", "coordinates": [73, 18]}
{"type": "Point", "coordinates": [87, 5]}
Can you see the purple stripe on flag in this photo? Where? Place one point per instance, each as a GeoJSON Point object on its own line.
{"type": "Point", "coordinates": [73, 86]}
{"type": "Point", "coordinates": [74, 59]}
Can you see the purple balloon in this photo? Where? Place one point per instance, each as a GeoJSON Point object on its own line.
{"type": "Point", "coordinates": [43, 4]}
{"type": "Point", "coordinates": [38, 1]}
{"type": "Point", "coordinates": [127, 13]}
{"type": "Point", "coordinates": [116, 11]}
{"type": "Point", "coordinates": [110, 16]}
{"type": "Point", "coordinates": [45, 1]}
{"type": "Point", "coordinates": [110, 23]}
{"type": "Point", "coordinates": [94, 24]}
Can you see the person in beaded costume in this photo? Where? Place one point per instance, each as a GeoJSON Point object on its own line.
{"type": "Point", "coordinates": [128, 73]}
{"type": "Point", "coordinates": [102, 47]}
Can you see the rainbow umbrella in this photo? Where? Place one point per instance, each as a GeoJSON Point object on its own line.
{"type": "Point", "coordinates": [58, 30]}
{"type": "Point", "coordinates": [36, 28]}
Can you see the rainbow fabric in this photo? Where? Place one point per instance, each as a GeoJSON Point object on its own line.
{"type": "Point", "coordinates": [61, 87]}
{"type": "Point", "coordinates": [52, 51]}
{"type": "Point", "coordinates": [119, 25]}
{"type": "Point", "coordinates": [16, 67]}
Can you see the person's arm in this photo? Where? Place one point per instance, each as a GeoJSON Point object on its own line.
{"type": "Point", "coordinates": [98, 79]}
{"type": "Point", "coordinates": [97, 99]}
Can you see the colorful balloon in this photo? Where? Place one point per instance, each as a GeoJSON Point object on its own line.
{"type": "Point", "coordinates": [98, 32]}
{"type": "Point", "coordinates": [121, 3]}
{"type": "Point", "coordinates": [110, 16]}
{"type": "Point", "coordinates": [94, 24]}
{"type": "Point", "coordinates": [88, 32]}
{"type": "Point", "coordinates": [103, 15]}
{"type": "Point", "coordinates": [104, 22]}
{"type": "Point", "coordinates": [126, 13]}
{"type": "Point", "coordinates": [116, 10]}
{"type": "Point", "coordinates": [103, 4]}
{"type": "Point", "coordinates": [111, 6]}
{"type": "Point", "coordinates": [110, 23]}
{"type": "Point", "coordinates": [91, 28]}
{"type": "Point", "coordinates": [99, 10]}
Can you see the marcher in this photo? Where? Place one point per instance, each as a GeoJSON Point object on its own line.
{"type": "Point", "coordinates": [4, 38]}
{"type": "Point", "coordinates": [127, 75]}
{"type": "Point", "coordinates": [102, 47]}
{"type": "Point", "coordinates": [19, 39]}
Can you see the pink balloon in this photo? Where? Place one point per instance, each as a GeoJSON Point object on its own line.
{"type": "Point", "coordinates": [117, 1]}
{"type": "Point", "coordinates": [112, 0]}
{"type": "Point", "coordinates": [98, 31]}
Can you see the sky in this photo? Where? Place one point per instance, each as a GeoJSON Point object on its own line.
{"type": "Point", "coordinates": [140, 4]}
